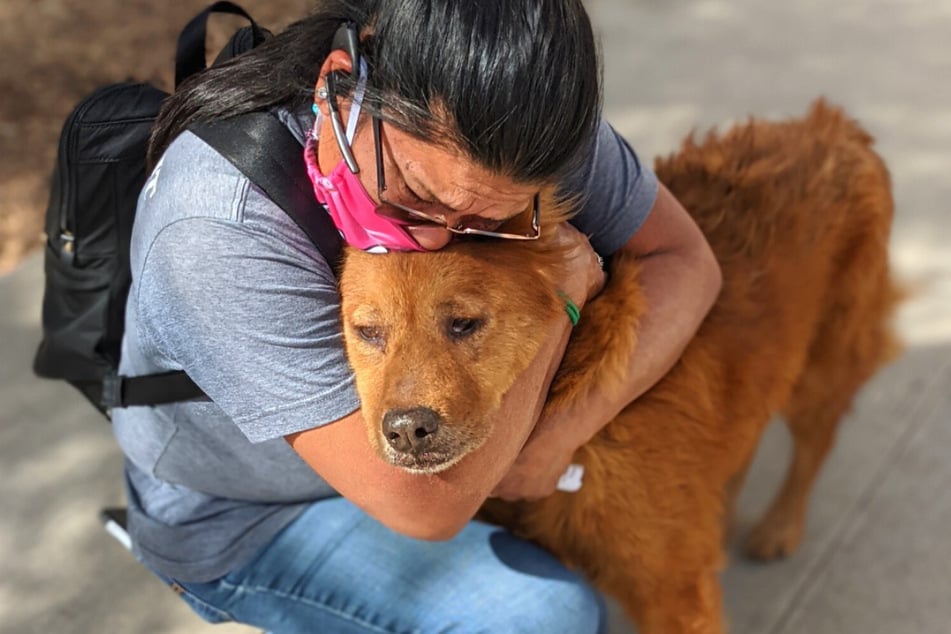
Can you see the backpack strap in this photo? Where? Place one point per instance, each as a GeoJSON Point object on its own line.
{"type": "Point", "coordinates": [264, 150]}
{"type": "Point", "coordinates": [190, 53]}
{"type": "Point", "coordinates": [149, 389]}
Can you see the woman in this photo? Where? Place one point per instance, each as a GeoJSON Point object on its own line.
{"type": "Point", "coordinates": [266, 505]}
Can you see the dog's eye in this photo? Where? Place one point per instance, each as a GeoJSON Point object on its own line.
{"type": "Point", "coordinates": [463, 327]}
{"type": "Point", "coordinates": [370, 334]}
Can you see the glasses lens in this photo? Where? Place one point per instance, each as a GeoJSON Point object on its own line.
{"type": "Point", "coordinates": [520, 225]}
{"type": "Point", "coordinates": [405, 215]}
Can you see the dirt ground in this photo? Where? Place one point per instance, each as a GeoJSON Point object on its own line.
{"type": "Point", "coordinates": [54, 52]}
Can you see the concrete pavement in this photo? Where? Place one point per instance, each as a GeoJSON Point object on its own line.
{"type": "Point", "coordinates": [876, 557]}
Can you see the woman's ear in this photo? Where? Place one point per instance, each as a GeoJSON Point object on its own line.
{"type": "Point", "coordinates": [337, 62]}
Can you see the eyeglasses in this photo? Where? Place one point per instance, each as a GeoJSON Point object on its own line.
{"type": "Point", "coordinates": [414, 217]}
{"type": "Point", "coordinates": [524, 226]}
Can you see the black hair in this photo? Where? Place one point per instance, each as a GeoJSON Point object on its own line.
{"type": "Point", "coordinates": [515, 84]}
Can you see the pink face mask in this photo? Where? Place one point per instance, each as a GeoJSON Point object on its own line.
{"type": "Point", "coordinates": [350, 206]}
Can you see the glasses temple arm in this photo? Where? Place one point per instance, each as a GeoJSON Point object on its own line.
{"type": "Point", "coordinates": [378, 148]}
{"type": "Point", "coordinates": [339, 133]}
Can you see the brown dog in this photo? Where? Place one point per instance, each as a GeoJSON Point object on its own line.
{"type": "Point", "coordinates": [799, 214]}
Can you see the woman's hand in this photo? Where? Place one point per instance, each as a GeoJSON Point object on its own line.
{"type": "Point", "coordinates": [585, 273]}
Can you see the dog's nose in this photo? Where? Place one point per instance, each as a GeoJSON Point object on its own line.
{"type": "Point", "coordinates": [408, 430]}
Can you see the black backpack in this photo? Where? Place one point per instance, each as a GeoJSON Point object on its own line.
{"type": "Point", "coordinates": [95, 186]}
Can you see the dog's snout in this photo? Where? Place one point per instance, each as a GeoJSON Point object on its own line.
{"type": "Point", "coordinates": [410, 430]}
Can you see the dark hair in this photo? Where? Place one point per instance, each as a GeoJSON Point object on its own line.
{"type": "Point", "coordinates": [514, 83]}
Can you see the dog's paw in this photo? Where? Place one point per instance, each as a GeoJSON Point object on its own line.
{"type": "Point", "coordinates": [774, 538]}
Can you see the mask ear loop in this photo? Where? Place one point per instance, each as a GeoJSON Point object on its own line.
{"type": "Point", "coordinates": [357, 101]}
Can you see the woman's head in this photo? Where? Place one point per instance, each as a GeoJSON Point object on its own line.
{"type": "Point", "coordinates": [505, 93]}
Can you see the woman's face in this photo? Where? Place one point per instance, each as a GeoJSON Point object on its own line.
{"type": "Point", "coordinates": [438, 181]}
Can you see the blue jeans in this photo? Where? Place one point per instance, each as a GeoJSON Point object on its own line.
{"type": "Point", "coordinates": [336, 570]}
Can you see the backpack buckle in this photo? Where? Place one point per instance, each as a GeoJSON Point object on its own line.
{"type": "Point", "coordinates": [111, 391]}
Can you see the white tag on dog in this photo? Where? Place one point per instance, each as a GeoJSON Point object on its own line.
{"type": "Point", "coordinates": [570, 480]}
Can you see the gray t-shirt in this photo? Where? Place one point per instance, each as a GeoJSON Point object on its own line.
{"type": "Point", "coordinates": [228, 288]}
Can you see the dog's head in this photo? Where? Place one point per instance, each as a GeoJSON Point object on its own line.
{"type": "Point", "coordinates": [436, 339]}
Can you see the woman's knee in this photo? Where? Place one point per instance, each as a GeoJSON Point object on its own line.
{"type": "Point", "coordinates": [552, 606]}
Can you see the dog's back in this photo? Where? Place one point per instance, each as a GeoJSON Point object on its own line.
{"type": "Point", "coordinates": [799, 215]}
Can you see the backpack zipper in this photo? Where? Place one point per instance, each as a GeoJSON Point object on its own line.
{"type": "Point", "coordinates": [67, 222]}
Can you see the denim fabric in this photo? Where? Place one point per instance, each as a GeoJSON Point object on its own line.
{"type": "Point", "coordinates": [336, 570]}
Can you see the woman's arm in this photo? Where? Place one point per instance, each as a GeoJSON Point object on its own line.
{"type": "Point", "coordinates": [680, 280]}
